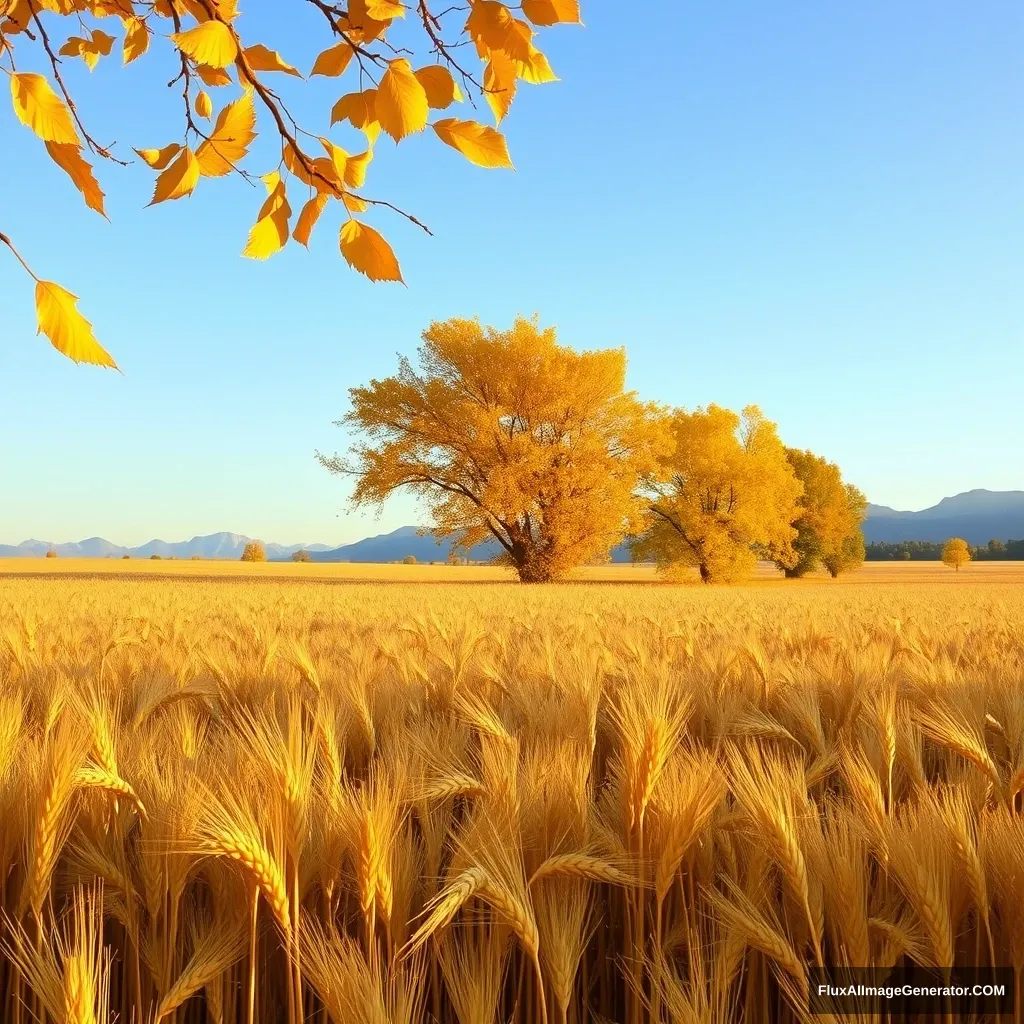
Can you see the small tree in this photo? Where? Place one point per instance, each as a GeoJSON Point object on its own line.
{"type": "Point", "coordinates": [197, 558]}
{"type": "Point", "coordinates": [254, 552]}
{"type": "Point", "coordinates": [155, 558]}
{"type": "Point", "coordinates": [51, 553]}
{"type": "Point", "coordinates": [301, 556]}
{"type": "Point", "coordinates": [125, 556]}
{"type": "Point", "coordinates": [409, 560]}
{"type": "Point", "coordinates": [956, 552]}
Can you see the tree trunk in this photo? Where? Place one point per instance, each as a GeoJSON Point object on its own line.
{"type": "Point", "coordinates": [705, 573]}
{"type": "Point", "coordinates": [532, 565]}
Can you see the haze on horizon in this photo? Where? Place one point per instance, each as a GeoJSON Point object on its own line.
{"type": "Point", "coordinates": [818, 210]}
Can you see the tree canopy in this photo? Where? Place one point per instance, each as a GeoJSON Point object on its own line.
{"type": "Point", "coordinates": [956, 552]}
{"type": "Point", "coordinates": [399, 66]}
{"type": "Point", "coordinates": [509, 437]}
{"type": "Point", "coordinates": [830, 514]}
{"type": "Point", "coordinates": [723, 488]}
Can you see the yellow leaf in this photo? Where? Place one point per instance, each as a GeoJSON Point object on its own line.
{"type": "Point", "coordinates": [402, 107]}
{"type": "Point", "coordinates": [39, 107]}
{"type": "Point", "coordinates": [226, 10]}
{"type": "Point", "coordinates": [308, 217]}
{"type": "Point", "coordinates": [213, 77]}
{"type": "Point", "coordinates": [353, 203]}
{"type": "Point", "coordinates": [500, 83]}
{"type": "Point", "coordinates": [270, 232]}
{"type": "Point", "coordinates": [368, 252]}
{"type": "Point", "coordinates": [384, 10]}
{"type": "Point", "coordinates": [136, 39]}
{"type": "Point", "coordinates": [442, 90]}
{"type": "Point", "coordinates": [69, 159]}
{"type": "Point", "coordinates": [492, 26]}
{"type": "Point", "coordinates": [552, 12]}
{"type": "Point", "coordinates": [231, 137]}
{"type": "Point", "coordinates": [260, 58]}
{"type": "Point", "coordinates": [98, 45]}
{"type": "Point", "coordinates": [211, 43]}
{"type": "Point", "coordinates": [333, 62]}
{"type": "Point", "coordinates": [479, 143]}
{"type": "Point", "coordinates": [72, 48]}
{"type": "Point", "coordinates": [204, 105]}
{"type": "Point", "coordinates": [359, 108]}
{"type": "Point", "coordinates": [360, 26]}
{"type": "Point", "coordinates": [355, 169]}
{"type": "Point", "coordinates": [68, 331]}
{"type": "Point", "coordinates": [180, 179]}
{"type": "Point", "coordinates": [338, 157]}
{"type": "Point", "coordinates": [158, 159]}
{"type": "Point", "coordinates": [535, 69]}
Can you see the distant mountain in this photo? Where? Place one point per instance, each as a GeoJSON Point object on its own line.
{"type": "Point", "coordinates": [978, 516]}
{"type": "Point", "coordinates": [227, 546]}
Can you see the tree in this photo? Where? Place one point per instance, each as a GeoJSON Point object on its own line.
{"type": "Point", "coordinates": [254, 552]}
{"type": "Point", "coordinates": [389, 87]}
{"type": "Point", "coordinates": [829, 515]}
{"type": "Point", "coordinates": [955, 552]}
{"type": "Point", "coordinates": [509, 437]}
{"type": "Point", "coordinates": [722, 488]}
{"type": "Point", "coordinates": [301, 556]}
{"type": "Point", "coordinates": [155, 558]}
{"type": "Point", "coordinates": [409, 560]}
{"type": "Point", "coordinates": [51, 553]}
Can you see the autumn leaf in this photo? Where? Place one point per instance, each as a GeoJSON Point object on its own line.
{"type": "Point", "coordinates": [353, 203]}
{"type": "Point", "coordinates": [535, 68]}
{"type": "Point", "coordinates": [230, 140]}
{"type": "Point", "coordinates": [552, 12]}
{"type": "Point", "coordinates": [158, 159]}
{"type": "Point", "coordinates": [99, 44]}
{"type": "Point", "coordinates": [355, 169]}
{"type": "Point", "coordinates": [69, 332]}
{"type": "Point", "coordinates": [384, 10]}
{"type": "Point", "coordinates": [270, 232]}
{"type": "Point", "coordinates": [204, 105]}
{"type": "Point", "coordinates": [308, 217]}
{"type": "Point", "coordinates": [479, 143]}
{"type": "Point", "coordinates": [500, 83]}
{"type": "Point", "coordinates": [41, 109]}
{"type": "Point", "coordinates": [179, 180]}
{"type": "Point", "coordinates": [402, 107]}
{"type": "Point", "coordinates": [69, 159]}
{"type": "Point", "coordinates": [442, 90]}
{"type": "Point", "coordinates": [136, 39]}
{"type": "Point", "coordinates": [213, 77]}
{"type": "Point", "coordinates": [367, 251]}
{"type": "Point", "coordinates": [211, 43]}
{"type": "Point", "coordinates": [360, 110]}
{"type": "Point", "coordinates": [260, 58]}
{"type": "Point", "coordinates": [334, 61]}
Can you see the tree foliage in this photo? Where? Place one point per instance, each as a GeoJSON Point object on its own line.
{"type": "Point", "coordinates": [956, 552]}
{"type": "Point", "coordinates": [254, 551]}
{"type": "Point", "coordinates": [301, 556]}
{"type": "Point", "coordinates": [398, 66]}
{"type": "Point", "coordinates": [507, 436]}
{"type": "Point", "coordinates": [723, 487]}
{"type": "Point", "coordinates": [830, 514]}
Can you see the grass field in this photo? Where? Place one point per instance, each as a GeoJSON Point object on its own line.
{"type": "Point", "coordinates": [336, 793]}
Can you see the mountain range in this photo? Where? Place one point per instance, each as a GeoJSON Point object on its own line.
{"type": "Point", "coordinates": [978, 516]}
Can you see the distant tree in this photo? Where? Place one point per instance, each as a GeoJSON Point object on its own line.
{"type": "Point", "coordinates": [723, 488]}
{"type": "Point", "coordinates": [409, 560]}
{"type": "Point", "coordinates": [51, 553]}
{"type": "Point", "coordinates": [996, 549]}
{"type": "Point", "coordinates": [905, 555]}
{"type": "Point", "coordinates": [829, 517]}
{"type": "Point", "coordinates": [955, 553]}
{"type": "Point", "coordinates": [510, 437]}
{"type": "Point", "coordinates": [254, 552]}
{"type": "Point", "coordinates": [197, 558]}
{"type": "Point", "coordinates": [155, 558]}
{"type": "Point", "coordinates": [125, 556]}
{"type": "Point", "coordinates": [301, 556]}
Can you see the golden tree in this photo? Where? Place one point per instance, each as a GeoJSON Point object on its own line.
{"type": "Point", "coordinates": [510, 438]}
{"type": "Point", "coordinates": [254, 551]}
{"type": "Point", "coordinates": [444, 54]}
{"type": "Point", "coordinates": [956, 552]}
{"type": "Point", "coordinates": [829, 515]}
{"type": "Point", "coordinates": [723, 488]}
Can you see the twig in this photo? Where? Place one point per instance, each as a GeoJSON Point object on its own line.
{"type": "Point", "coordinates": [17, 255]}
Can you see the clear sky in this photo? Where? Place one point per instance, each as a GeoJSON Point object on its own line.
{"type": "Point", "coordinates": [817, 207]}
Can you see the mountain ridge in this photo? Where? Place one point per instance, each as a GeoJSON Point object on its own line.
{"type": "Point", "coordinates": [977, 515]}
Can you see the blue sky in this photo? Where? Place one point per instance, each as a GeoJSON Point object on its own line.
{"type": "Point", "coordinates": [816, 207]}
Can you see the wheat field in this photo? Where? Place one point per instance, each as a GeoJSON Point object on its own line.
{"type": "Point", "coordinates": [279, 795]}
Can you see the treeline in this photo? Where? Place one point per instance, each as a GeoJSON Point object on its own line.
{"type": "Point", "coordinates": [509, 438]}
{"type": "Point", "coordinates": [929, 551]}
